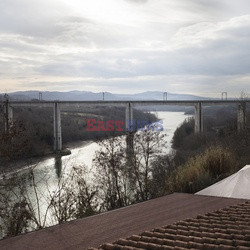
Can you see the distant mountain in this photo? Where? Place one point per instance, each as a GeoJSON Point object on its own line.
{"type": "Point", "coordinates": [158, 95]}
{"type": "Point", "coordinates": [87, 96]}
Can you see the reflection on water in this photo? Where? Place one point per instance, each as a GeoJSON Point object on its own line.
{"type": "Point", "coordinates": [58, 166]}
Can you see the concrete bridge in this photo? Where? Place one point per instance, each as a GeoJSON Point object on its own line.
{"type": "Point", "coordinates": [197, 104]}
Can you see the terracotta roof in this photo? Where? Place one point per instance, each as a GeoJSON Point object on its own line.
{"type": "Point", "coordinates": [228, 228]}
{"type": "Point", "coordinates": [121, 223]}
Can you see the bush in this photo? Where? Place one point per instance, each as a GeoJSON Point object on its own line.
{"type": "Point", "coordinates": [219, 161]}
{"type": "Point", "coordinates": [203, 170]}
{"type": "Point", "coordinates": [185, 129]}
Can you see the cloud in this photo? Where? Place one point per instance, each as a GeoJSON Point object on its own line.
{"type": "Point", "coordinates": [182, 45]}
{"type": "Point", "coordinates": [206, 48]}
{"type": "Point", "coordinates": [137, 1]}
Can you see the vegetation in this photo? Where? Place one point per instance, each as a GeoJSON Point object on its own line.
{"type": "Point", "coordinates": [123, 175]}
{"type": "Point", "coordinates": [203, 170]}
{"type": "Point", "coordinates": [199, 160]}
{"type": "Point", "coordinates": [23, 206]}
{"type": "Point", "coordinates": [128, 169]}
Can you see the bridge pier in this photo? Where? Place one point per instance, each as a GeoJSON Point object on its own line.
{"type": "Point", "coordinates": [130, 130]}
{"type": "Point", "coordinates": [198, 119]}
{"type": "Point", "coordinates": [57, 128]}
{"type": "Point", "coordinates": [8, 115]}
{"type": "Point", "coordinates": [129, 117]}
{"type": "Point", "coordinates": [241, 117]}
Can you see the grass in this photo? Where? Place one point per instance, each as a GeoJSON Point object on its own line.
{"type": "Point", "coordinates": [203, 170]}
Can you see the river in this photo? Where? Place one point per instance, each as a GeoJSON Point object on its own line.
{"type": "Point", "coordinates": [49, 169]}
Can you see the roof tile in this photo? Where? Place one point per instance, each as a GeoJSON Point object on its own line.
{"type": "Point", "coordinates": [227, 228]}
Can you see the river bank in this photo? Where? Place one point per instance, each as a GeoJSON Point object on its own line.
{"type": "Point", "coordinates": [14, 167]}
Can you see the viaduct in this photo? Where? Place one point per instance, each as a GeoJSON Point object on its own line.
{"type": "Point", "coordinates": [197, 104]}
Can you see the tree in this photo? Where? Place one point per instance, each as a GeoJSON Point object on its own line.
{"type": "Point", "coordinates": [23, 209]}
{"type": "Point", "coordinates": [13, 143]}
{"type": "Point", "coordinates": [162, 167]}
{"type": "Point", "coordinates": [111, 174]}
{"type": "Point", "coordinates": [124, 175]}
{"type": "Point", "coordinates": [148, 144]}
{"type": "Point", "coordinates": [17, 214]}
{"type": "Point", "coordinates": [74, 197]}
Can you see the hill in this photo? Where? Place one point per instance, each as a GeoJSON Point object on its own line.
{"type": "Point", "coordinates": [86, 95]}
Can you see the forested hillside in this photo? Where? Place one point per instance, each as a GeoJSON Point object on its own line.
{"type": "Point", "coordinates": [32, 132]}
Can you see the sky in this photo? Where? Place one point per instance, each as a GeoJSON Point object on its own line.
{"type": "Point", "coordinates": [126, 46]}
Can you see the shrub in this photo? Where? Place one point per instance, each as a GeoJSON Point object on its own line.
{"type": "Point", "coordinates": [203, 170]}
{"type": "Point", "coordinates": [185, 129]}
{"type": "Point", "coordinates": [219, 161]}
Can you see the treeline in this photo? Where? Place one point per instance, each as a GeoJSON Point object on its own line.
{"type": "Point", "coordinates": [32, 131]}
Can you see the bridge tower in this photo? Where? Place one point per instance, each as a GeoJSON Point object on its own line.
{"type": "Point", "coordinates": [223, 95]}
{"type": "Point", "coordinates": [165, 96]}
{"type": "Point", "coordinates": [241, 117]}
{"type": "Point", "coordinates": [198, 127]}
{"type": "Point", "coordinates": [40, 96]}
{"type": "Point", "coordinates": [57, 127]}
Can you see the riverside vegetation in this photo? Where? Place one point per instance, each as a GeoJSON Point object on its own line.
{"type": "Point", "coordinates": [123, 178]}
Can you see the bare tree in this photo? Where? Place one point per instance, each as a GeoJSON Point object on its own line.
{"type": "Point", "coordinates": [125, 179]}
{"type": "Point", "coordinates": [74, 197]}
{"type": "Point", "coordinates": [16, 212]}
{"type": "Point", "coordinates": [111, 175]}
{"type": "Point", "coordinates": [148, 145]}
{"type": "Point", "coordinates": [24, 207]}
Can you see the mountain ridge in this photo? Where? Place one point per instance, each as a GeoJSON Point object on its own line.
{"type": "Point", "coordinates": [77, 95]}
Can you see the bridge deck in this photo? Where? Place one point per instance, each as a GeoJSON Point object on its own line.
{"type": "Point", "coordinates": [133, 102]}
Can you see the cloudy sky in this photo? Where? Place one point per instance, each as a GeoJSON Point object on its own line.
{"type": "Point", "coordinates": [125, 46]}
